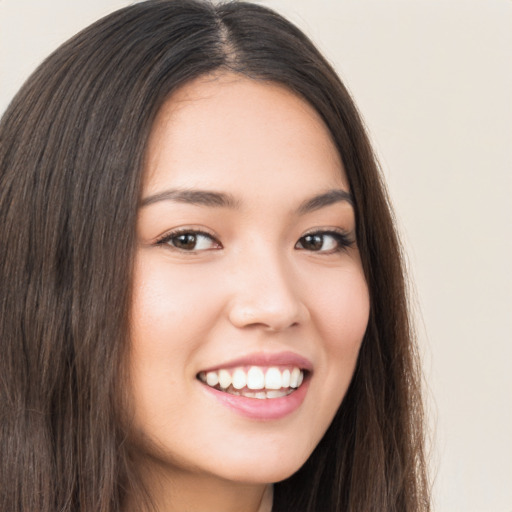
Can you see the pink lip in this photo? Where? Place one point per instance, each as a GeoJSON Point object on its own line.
{"type": "Point", "coordinates": [264, 359]}
{"type": "Point", "coordinates": [265, 409]}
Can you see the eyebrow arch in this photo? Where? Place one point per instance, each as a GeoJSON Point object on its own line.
{"type": "Point", "coordinates": [325, 199]}
{"type": "Point", "coordinates": [196, 197]}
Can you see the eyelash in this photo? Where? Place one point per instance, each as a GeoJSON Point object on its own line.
{"type": "Point", "coordinates": [341, 238]}
{"type": "Point", "coordinates": [343, 241]}
{"type": "Point", "coordinates": [169, 237]}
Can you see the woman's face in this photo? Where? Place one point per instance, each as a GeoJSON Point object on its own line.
{"type": "Point", "coordinates": [247, 281]}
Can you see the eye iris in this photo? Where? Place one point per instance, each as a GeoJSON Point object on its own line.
{"type": "Point", "coordinates": [313, 242]}
{"type": "Point", "coordinates": [185, 241]}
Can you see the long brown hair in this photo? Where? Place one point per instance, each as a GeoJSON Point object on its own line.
{"type": "Point", "coordinates": [72, 147]}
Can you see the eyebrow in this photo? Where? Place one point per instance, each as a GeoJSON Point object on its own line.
{"type": "Point", "coordinates": [224, 200]}
{"type": "Point", "coordinates": [326, 199]}
{"type": "Point", "coordinates": [196, 197]}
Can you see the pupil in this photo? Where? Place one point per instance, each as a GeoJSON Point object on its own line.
{"type": "Point", "coordinates": [186, 241]}
{"type": "Point", "coordinates": [313, 242]}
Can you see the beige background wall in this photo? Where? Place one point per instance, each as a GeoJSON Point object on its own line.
{"type": "Point", "coordinates": [433, 79]}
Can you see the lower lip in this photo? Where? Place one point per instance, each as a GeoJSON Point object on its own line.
{"type": "Point", "coordinates": [262, 409]}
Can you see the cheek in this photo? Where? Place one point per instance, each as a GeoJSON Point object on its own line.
{"type": "Point", "coordinates": [342, 309]}
{"type": "Point", "coordinates": [171, 316]}
{"type": "Point", "coordinates": [341, 315]}
{"type": "Point", "coordinates": [171, 312]}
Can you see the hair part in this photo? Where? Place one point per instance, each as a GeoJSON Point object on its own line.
{"type": "Point", "coordinates": [72, 149]}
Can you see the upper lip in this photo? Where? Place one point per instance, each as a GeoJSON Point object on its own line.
{"type": "Point", "coordinates": [266, 359]}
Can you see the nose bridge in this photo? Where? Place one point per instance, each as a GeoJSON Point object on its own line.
{"type": "Point", "coordinates": [265, 290]}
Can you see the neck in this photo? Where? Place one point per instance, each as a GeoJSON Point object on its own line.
{"type": "Point", "coordinates": [197, 493]}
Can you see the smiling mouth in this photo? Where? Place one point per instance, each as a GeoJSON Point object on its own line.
{"type": "Point", "coordinates": [255, 381]}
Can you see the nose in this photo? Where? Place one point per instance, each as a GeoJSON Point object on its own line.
{"type": "Point", "coordinates": [266, 294]}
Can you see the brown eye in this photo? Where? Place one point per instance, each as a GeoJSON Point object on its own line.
{"type": "Point", "coordinates": [312, 242]}
{"type": "Point", "coordinates": [191, 241]}
{"type": "Point", "coordinates": [187, 241]}
{"type": "Point", "coordinates": [324, 241]}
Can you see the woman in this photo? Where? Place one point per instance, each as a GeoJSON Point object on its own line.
{"type": "Point", "coordinates": [202, 292]}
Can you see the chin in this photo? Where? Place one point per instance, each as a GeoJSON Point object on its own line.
{"type": "Point", "coordinates": [262, 469]}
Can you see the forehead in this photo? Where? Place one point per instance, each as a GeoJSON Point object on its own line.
{"type": "Point", "coordinates": [228, 131]}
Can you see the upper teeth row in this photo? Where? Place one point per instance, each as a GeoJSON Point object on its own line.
{"type": "Point", "coordinates": [254, 378]}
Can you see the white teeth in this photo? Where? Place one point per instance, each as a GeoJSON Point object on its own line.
{"type": "Point", "coordinates": [255, 378]}
{"type": "Point", "coordinates": [255, 383]}
{"type": "Point", "coordinates": [286, 379]}
{"type": "Point", "coordinates": [212, 379]}
{"type": "Point", "coordinates": [294, 378]}
{"type": "Point", "coordinates": [261, 395]}
{"type": "Point", "coordinates": [273, 379]}
{"type": "Point", "coordinates": [277, 393]}
{"type": "Point", "coordinates": [239, 379]}
{"type": "Point", "coordinates": [224, 379]}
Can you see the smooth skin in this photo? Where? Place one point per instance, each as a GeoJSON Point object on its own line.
{"type": "Point", "coordinates": [241, 276]}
